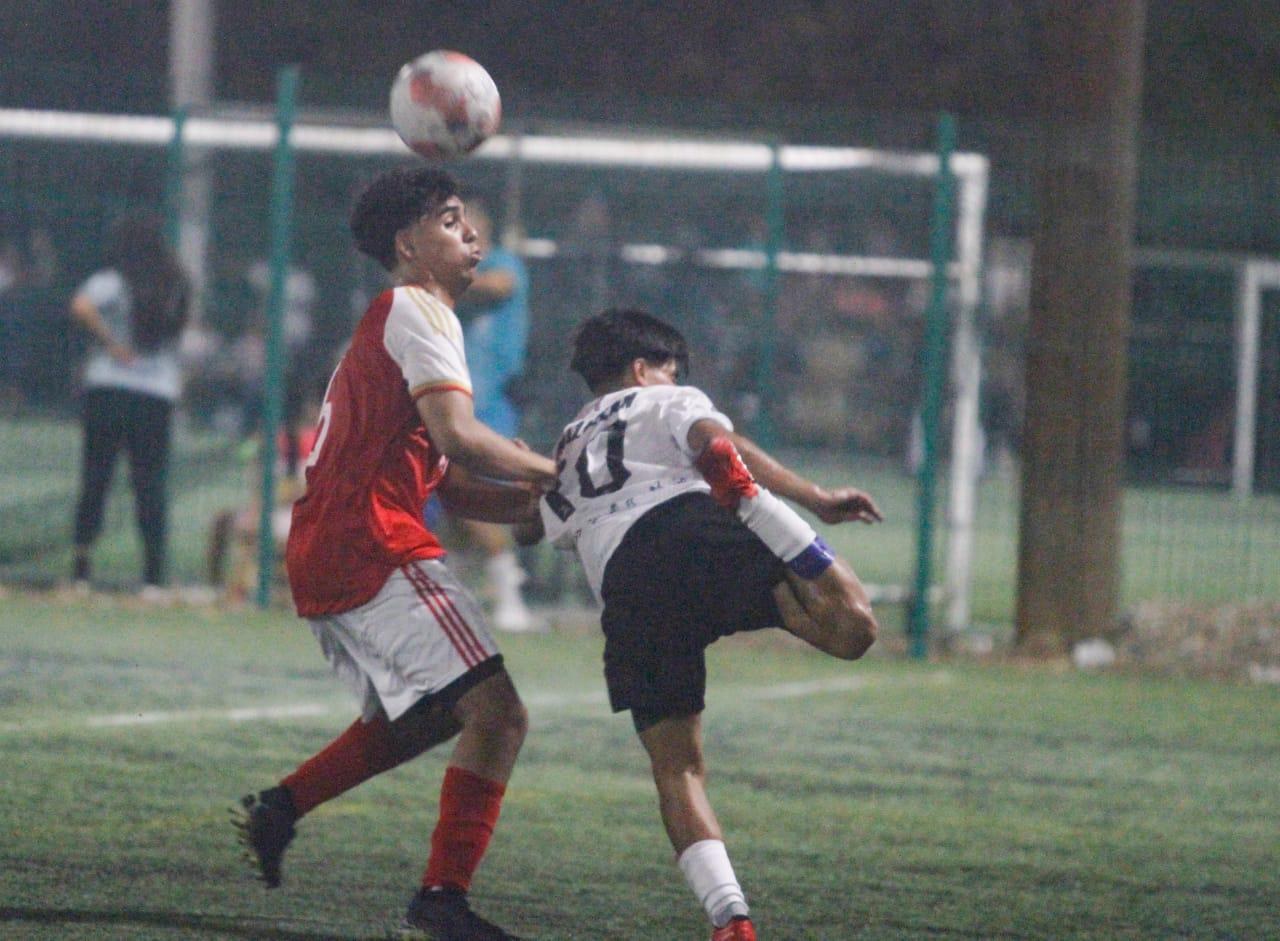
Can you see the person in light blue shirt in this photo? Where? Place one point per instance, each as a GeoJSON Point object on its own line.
{"type": "Point", "coordinates": [495, 317]}
{"type": "Point", "coordinates": [135, 309]}
{"type": "Point", "coordinates": [495, 320]}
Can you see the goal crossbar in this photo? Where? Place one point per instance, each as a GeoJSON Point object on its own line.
{"type": "Point", "coordinates": [629, 151]}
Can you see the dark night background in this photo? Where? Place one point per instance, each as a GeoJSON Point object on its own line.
{"type": "Point", "coordinates": [1213, 63]}
{"type": "Point", "coordinates": [860, 72]}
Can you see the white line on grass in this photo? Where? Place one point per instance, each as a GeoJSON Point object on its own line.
{"type": "Point", "coordinates": [298, 710]}
{"type": "Point", "coordinates": [535, 701]}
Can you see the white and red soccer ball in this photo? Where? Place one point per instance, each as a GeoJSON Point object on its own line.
{"type": "Point", "coordinates": [444, 105]}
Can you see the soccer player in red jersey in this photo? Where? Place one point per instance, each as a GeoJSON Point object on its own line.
{"type": "Point", "coordinates": [397, 424]}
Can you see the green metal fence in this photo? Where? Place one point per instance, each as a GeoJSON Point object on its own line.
{"type": "Point", "coordinates": [825, 361]}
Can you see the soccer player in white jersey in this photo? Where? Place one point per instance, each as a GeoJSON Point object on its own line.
{"type": "Point", "coordinates": [396, 425]}
{"type": "Point", "coordinates": [683, 544]}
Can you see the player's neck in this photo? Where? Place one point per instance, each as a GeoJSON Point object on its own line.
{"type": "Point", "coordinates": [431, 286]}
{"type": "Point", "coordinates": [609, 388]}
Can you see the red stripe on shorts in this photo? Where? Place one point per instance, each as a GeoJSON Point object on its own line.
{"type": "Point", "coordinates": [450, 612]}
{"type": "Point", "coordinates": [447, 615]}
{"type": "Point", "coordinates": [429, 594]}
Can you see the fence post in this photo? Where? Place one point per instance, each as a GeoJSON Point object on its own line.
{"type": "Point", "coordinates": [775, 232]}
{"type": "Point", "coordinates": [175, 167]}
{"type": "Point", "coordinates": [935, 377]}
{"type": "Point", "coordinates": [273, 384]}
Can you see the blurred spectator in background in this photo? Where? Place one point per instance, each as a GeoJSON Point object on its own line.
{"type": "Point", "coordinates": [590, 241]}
{"type": "Point", "coordinates": [495, 319]}
{"type": "Point", "coordinates": [234, 549]}
{"type": "Point", "coordinates": [299, 298]}
{"type": "Point", "coordinates": [33, 339]}
{"type": "Point", "coordinates": [297, 337]}
{"type": "Point", "coordinates": [135, 309]}
{"type": "Point", "coordinates": [581, 277]}
{"type": "Point", "coordinates": [227, 382]}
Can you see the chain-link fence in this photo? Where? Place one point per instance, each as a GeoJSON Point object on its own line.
{"type": "Point", "coordinates": [822, 352]}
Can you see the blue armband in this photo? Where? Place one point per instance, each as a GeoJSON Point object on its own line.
{"type": "Point", "coordinates": [814, 560]}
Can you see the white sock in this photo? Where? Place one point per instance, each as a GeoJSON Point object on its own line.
{"type": "Point", "coordinates": [505, 577]}
{"type": "Point", "coordinates": [707, 869]}
{"type": "Point", "coordinates": [779, 526]}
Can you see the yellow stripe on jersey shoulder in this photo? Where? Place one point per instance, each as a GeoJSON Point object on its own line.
{"type": "Point", "coordinates": [441, 318]}
{"type": "Point", "coordinates": [443, 385]}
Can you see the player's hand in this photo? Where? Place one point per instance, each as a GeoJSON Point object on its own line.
{"type": "Point", "coordinates": [530, 530]}
{"type": "Point", "coordinates": [846, 505]}
{"type": "Point", "coordinates": [547, 483]}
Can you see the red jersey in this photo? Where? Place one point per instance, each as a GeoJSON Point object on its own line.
{"type": "Point", "coordinates": [373, 466]}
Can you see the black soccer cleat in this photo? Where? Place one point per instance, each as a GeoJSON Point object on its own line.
{"type": "Point", "coordinates": [265, 824]}
{"type": "Point", "coordinates": [446, 915]}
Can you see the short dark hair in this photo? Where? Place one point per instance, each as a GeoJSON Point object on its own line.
{"type": "Point", "coordinates": [604, 345]}
{"type": "Point", "coordinates": [393, 200]}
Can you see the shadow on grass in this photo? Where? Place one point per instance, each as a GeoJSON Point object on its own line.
{"type": "Point", "coordinates": [257, 929]}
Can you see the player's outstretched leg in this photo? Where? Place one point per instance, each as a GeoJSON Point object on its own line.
{"type": "Point", "coordinates": [822, 600]}
{"type": "Point", "coordinates": [779, 527]}
{"type": "Point", "coordinates": [265, 821]}
{"type": "Point", "coordinates": [832, 611]}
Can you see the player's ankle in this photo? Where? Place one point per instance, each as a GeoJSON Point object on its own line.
{"type": "Point", "coordinates": [814, 560]}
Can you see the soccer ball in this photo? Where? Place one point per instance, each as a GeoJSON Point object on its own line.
{"type": "Point", "coordinates": [444, 104]}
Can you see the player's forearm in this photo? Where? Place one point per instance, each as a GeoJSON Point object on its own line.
{"type": "Point", "coordinates": [481, 450]}
{"type": "Point", "coordinates": [477, 498]}
{"type": "Point", "coordinates": [473, 445]}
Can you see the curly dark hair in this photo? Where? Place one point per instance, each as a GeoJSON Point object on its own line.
{"type": "Point", "coordinates": [605, 344]}
{"type": "Point", "coordinates": [161, 293]}
{"type": "Point", "coordinates": [393, 200]}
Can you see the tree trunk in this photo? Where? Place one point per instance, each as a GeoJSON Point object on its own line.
{"type": "Point", "coordinates": [1078, 330]}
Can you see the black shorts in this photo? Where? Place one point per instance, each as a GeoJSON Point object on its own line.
{"type": "Point", "coordinates": [686, 573]}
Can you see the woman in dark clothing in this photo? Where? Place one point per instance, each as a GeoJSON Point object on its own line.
{"type": "Point", "coordinates": [135, 307]}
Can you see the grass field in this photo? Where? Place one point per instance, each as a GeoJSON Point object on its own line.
{"type": "Point", "coordinates": [876, 800]}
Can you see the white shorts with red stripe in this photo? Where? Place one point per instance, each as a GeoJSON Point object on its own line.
{"type": "Point", "coordinates": [417, 635]}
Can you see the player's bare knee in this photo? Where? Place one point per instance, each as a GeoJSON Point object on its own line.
{"type": "Point", "coordinates": [495, 708]}
{"type": "Point", "coordinates": [679, 779]}
{"type": "Point", "coordinates": [857, 632]}
{"type": "Point", "coordinates": [513, 721]}
{"type": "Point", "coordinates": [847, 612]}
{"type": "Point", "coordinates": [505, 730]}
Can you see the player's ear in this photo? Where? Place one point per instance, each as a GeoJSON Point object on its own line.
{"type": "Point", "coordinates": [638, 371]}
{"type": "Point", "coordinates": [405, 249]}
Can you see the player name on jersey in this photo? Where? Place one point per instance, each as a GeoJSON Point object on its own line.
{"type": "Point", "coordinates": [625, 453]}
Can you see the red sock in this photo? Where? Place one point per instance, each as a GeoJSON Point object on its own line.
{"type": "Point", "coordinates": [363, 750]}
{"type": "Point", "coordinates": [469, 806]}
{"type": "Point", "coordinates": [723, 468]}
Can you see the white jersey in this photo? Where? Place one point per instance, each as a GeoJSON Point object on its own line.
{"type": "Point", "coordinates": [625, 453]}
{"type": "Point", "coordinates": [155, 373]}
